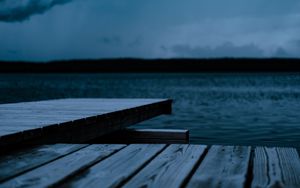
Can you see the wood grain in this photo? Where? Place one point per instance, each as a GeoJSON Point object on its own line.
{"type": "Point", "coordinates": [116, 169]}
{"type": "Point", "coordinates": [62, 168]}
{"type": "Point", "coordinates": [170, 168]}
{"type": "Point", "coordinates": [150, 165]}
{"type": "Point", "coordinates": [223, 166]}
{"type": "Point", "coordinates": [72, 120]}
{"type": "Point", "coordinates": [19, 162]}
{"type": "Point", "coordinates": [276, 167]}
{"type": "Point", "coordinates": [129, 136]}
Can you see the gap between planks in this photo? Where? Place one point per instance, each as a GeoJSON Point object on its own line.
{"type": "Point", "coordinates": [282, 156]}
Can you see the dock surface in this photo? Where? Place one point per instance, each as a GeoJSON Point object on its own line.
{"type": "Point", "coordinates": [83, 143]}
{"type": "Point", "coordinates": [73, 120]}
{"type": "Point", "coordinates": [150, 165]}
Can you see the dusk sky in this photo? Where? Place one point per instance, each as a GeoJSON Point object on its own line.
{"type": "Point", "coordinates": [43, 30]}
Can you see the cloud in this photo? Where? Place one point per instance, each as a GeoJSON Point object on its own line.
{"type": "Point", "coordinates": [291, 49]}
{"type": "Point", "coordinates": [20, 10]}
{"type": "Point", "coordinates": [281, 52]}
{"type": "Point", "coordinates": [296, 45]}
{"type": "Point", "coordinates": [114, 40]}
{"type": "Point", "coordinates": [118, 28]}
{"type": "Point", "coordinates": [225, 50]}
{"type": "Point", "coordinates": [136, 42]}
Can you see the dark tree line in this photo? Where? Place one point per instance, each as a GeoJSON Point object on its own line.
{"type": "Point", "coordinates": [156, 65]}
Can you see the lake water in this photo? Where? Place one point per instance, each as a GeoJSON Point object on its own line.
{"type": "Point", "coordinates": [217, 108]}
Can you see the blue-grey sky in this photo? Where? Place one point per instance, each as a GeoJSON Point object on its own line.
{"type": "Point", "coordinates": [42, 30]}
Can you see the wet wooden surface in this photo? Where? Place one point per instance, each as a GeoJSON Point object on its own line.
{"type": "Point", "coordinates": [276, 167]}
{"type": "Point", "coordinates": [154, 136]}
{"type": "Point", "coordinates": [72, 120]}
{"type": "Point", "coordinates": [152, 165]}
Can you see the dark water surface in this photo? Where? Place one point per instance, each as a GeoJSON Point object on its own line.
{"type": "Point", "coordinates": [217, 108]}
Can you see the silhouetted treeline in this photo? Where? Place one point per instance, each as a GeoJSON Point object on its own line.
{"type": "Point", "coordinates": [156, 65]}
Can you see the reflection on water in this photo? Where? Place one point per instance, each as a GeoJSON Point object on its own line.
{"type": "Point", "coordinates": [246, 109]}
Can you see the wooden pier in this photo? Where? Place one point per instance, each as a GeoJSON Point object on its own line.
{"type": "Point", "coordinates": [84, 143]}
{"type": "Point", "coordinates": [72, 120]}
{"type": "Point", "coordinates": [150, 165]}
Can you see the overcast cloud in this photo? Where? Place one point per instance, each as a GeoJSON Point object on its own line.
{"type": "Point", "coordinates": [20, 10]}
{"type": "Point", "coordinates": [63, 29]}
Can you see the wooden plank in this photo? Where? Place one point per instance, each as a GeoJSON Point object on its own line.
{"type": "Point", "coordinates": [167, 136]}
{"type": "Point", "coordinates": [116, 169]}
{"type": "Point", "coordinates": [72, 120]}
{"type": "Point", "coordinates": [72, 106]}
{"type": "Point", "coordinates": [62, 168]}
{"type": "Point", "coordinates": [170, 168]}
{"type": "Point", "coordinates": [223, 166]}
{"type": "Point", "coordinates": [76, 105]}
{"type": "Point", "coordinates": [19, 162]}
{"type": "Point", "coordinates": [276, 167]}
{"type": "Point", "coordinates": [175, 134]}
{"type": "Point", "coordinates": [60, 111]}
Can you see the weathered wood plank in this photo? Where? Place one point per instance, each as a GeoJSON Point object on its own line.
{"type": "Point", "coordinates": [114, 170]}
{"type": "Point", "coordinates": [167, 136]}
{"type": "Point", "coordinates": [56, 171]}
{"type": "Point", "coordinates": [72, 120]}
{"type": "Point", "coordinates": [223, 166]}
{"type": "Point", "coordinates": [77, 106]}
{"type": "Point", "coordinates": [175, 134]}
{"type": "Point", "coordinates": [19, 162]}
{"type": "Point", "coordinates": [59, 111]}
{"type": "Point", "coordinates": [170, 168]}
{"type": "Point", "coordinates": [276, 167]}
